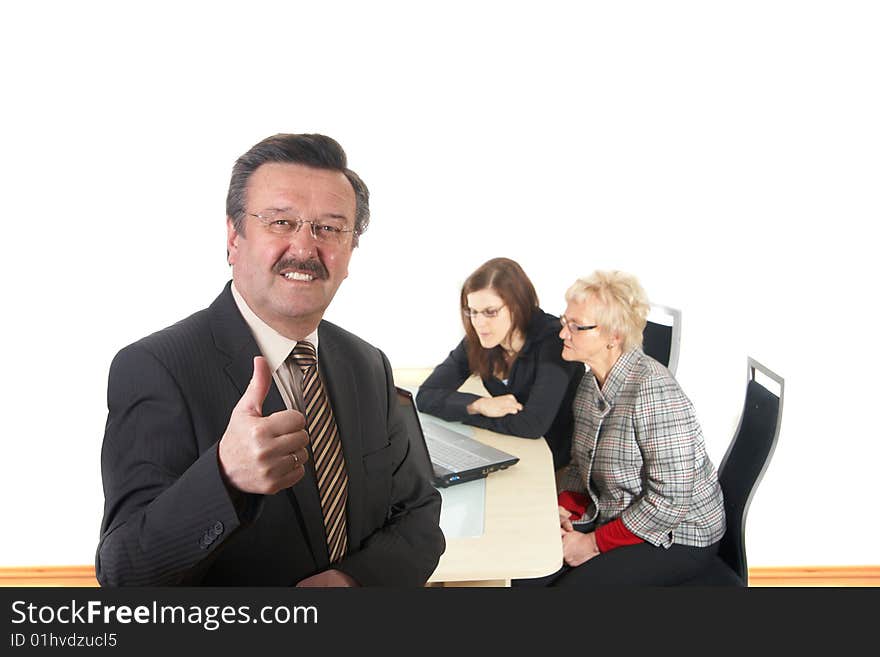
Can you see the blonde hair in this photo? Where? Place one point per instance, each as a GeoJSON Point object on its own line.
{"type": "Point", "coordinates": [622, 307]}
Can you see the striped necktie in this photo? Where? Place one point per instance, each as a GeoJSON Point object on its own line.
{"type": "Point", "coordinates": [326, 449]}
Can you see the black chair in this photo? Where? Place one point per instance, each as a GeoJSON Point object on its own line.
{"type": "Point", "coordinates": [740, 473]}
{"type": "Point", "coordinates": [661, 339]}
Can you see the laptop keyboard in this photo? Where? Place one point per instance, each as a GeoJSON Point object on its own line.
{"type": "Point", "coordinates": [452, 457]}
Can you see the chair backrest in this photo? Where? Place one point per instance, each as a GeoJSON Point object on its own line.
{"type": "Point", "coordinates": [746, 461]}
{"type": "Point", "coordinates": [662, 336]}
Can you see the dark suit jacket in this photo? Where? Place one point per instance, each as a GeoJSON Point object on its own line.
{"type": "Point", "coordinates": [539, 379]}
{"type": "Point", "coordinates": [168, 517]}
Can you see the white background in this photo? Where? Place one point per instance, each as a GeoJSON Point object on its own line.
{"type": "Point", "coordinates": [726, 153]}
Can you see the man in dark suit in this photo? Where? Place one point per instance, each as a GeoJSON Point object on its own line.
{"type": "Point", "coordinates": [233, 454]}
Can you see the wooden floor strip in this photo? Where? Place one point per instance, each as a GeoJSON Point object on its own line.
{"type": "Point", "coordinates": [84, 576]}
{"type": "Point", "coordinates": [815, 576]}
{"type": "Point", "coordinates": [48, 576]}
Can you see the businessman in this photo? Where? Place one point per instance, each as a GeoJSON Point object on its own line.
{"type": "Point", "coordinates": [253, 443]}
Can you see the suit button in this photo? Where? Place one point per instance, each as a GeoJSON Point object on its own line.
{"type": "Point", "coordinates": [218, 528]}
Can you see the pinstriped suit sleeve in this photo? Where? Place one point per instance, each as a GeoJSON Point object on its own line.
{"type": "Point", "coordinates": [667, 433]}
{"type": "Point", "coordinates": [166, 507]}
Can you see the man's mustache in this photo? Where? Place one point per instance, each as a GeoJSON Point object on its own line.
{"type": "Point", "coordinates": [311, 266]}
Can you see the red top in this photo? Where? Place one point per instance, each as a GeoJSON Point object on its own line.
{"type": "Point", "coordinates": [611, 535]}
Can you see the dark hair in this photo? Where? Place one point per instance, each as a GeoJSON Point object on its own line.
{"type": "Point", "coordinates": [508, 280]}
{"type": "Point", "coordinates": [318, 151]}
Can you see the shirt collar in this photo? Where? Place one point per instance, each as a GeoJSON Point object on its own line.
{"type": "Point", "coordinates": [617, 374]}
{"type": "Point", "coordinates": [274, 346]}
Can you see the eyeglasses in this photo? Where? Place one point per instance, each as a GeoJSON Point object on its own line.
{"type": "Point", "coordinates": [325, 233]}
{"type": "Point", "coordinates": [488, 313]}
{"type": "Point", "coordinates": [574, 326]}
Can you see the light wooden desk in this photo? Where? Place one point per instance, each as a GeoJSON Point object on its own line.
{"type": "Point", "coordinates": [521, 524]}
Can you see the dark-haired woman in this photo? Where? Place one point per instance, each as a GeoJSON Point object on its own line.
{"type": "Point", "coordinates": [514, 347]}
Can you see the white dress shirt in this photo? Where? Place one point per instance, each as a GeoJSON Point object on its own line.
{"type": "Point", "coordinates": [276, 348]}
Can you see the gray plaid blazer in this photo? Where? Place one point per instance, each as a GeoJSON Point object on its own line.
{"type": "Point", "coordinates": [638, 453]}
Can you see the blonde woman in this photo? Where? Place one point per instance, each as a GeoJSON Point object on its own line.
{"type": "Point", "coordinates": [640, 503]}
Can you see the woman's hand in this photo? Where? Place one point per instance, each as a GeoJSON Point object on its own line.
{"type": "Point", "coordinates": [578, 548]}
{"type": "Point", "coordinates": [565, 520]}
{"type": "Point", "coordinates": [495, 406]}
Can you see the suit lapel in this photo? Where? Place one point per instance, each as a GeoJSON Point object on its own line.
{"type": "Point", "coordinates": [234, 339]}
{"type": "Point", "coordinates": [341, 385]}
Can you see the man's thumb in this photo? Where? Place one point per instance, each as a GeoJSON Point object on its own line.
{"type": "Point", "coordinates": [252, 399]}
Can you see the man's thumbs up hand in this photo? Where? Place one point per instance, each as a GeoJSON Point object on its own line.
{"type": "Point", "coordinates": [251, 402]}
{"type": "Point", "coordinates": [262, 454]}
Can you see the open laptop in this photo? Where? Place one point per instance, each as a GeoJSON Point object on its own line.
{"type": "Point", "coordinates": [449, 457]}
